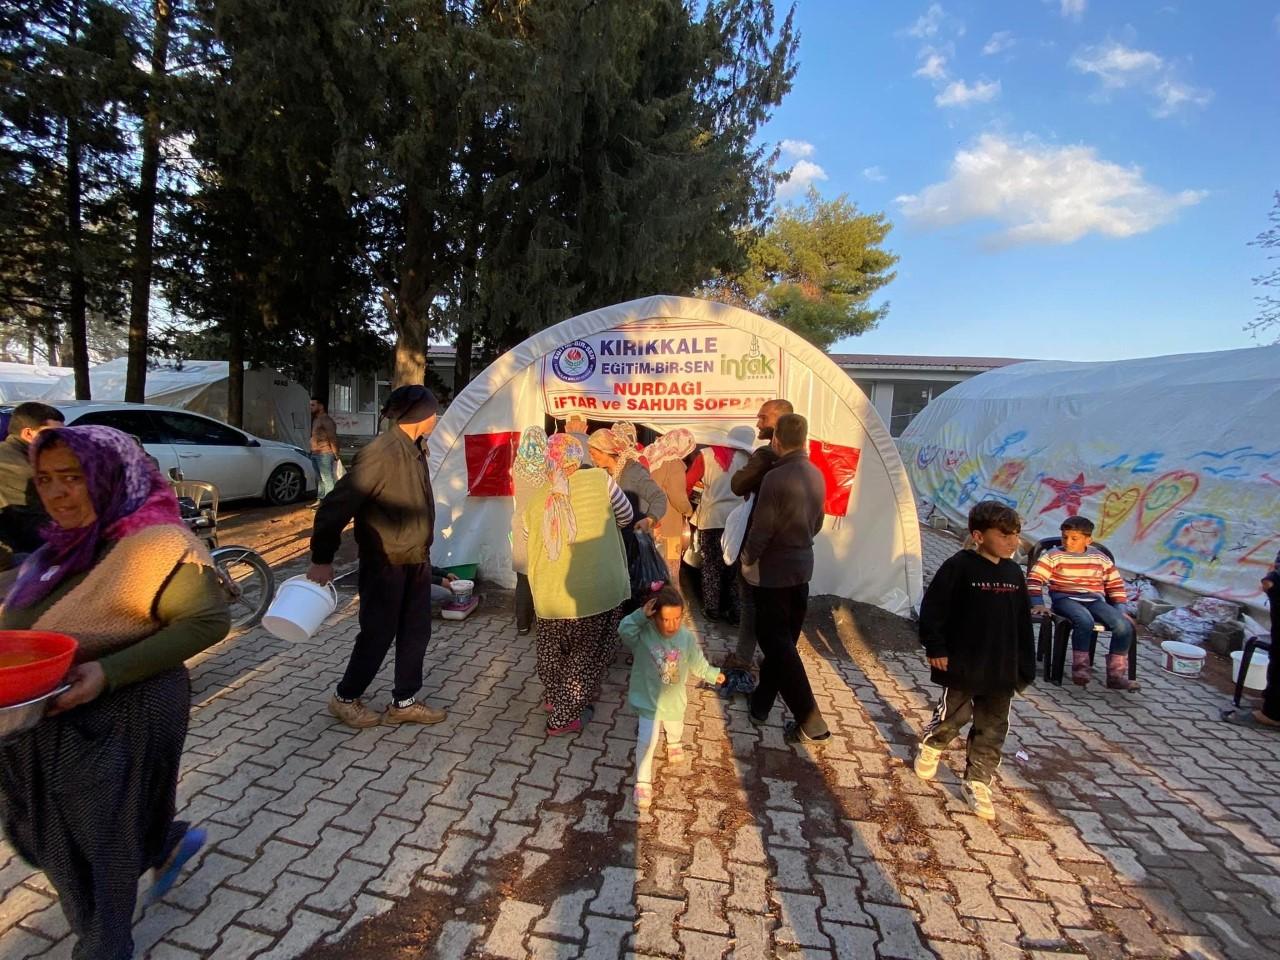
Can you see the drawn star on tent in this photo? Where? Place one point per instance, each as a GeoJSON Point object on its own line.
{"type": "Point", "coordinates": [1069, 493]}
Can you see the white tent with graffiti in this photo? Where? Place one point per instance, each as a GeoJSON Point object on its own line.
{"type": "Point", "coordinates": [666, 362]}
{"type": "Point", "coordinates": [1176, 459]}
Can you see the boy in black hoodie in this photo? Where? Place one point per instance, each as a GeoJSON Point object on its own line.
{"type": "Point", "coordinates": [975, 624]}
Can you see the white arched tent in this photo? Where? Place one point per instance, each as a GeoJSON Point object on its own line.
{"type": "Point", "coordinates": [667, 362]}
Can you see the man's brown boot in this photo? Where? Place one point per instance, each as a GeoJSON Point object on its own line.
{"type": "Point", "coordinates": [414, 713]}
{"type": "Point", "coordinates": [354, 714]}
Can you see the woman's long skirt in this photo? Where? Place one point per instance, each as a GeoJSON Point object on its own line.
{"type": "Point", "coordinates": [573, 656]}
{"type": "Point", "coordinates": [88, 797]}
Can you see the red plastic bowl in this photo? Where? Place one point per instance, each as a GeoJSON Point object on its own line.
{"type": "Point", "coordinates": [53, 653]}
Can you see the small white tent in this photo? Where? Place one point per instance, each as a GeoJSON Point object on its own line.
{"type": "Point", "coordinates": [667, 362]}
{"type": "Point", "coordinates": [275, 407]}
{"type": "Point", "coordinates": [1176, 459]}
{"type": "Point", "coordinates": [25, 381]}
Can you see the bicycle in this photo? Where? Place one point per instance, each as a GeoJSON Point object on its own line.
{"type": "Point", "coordinates": [248, 580]}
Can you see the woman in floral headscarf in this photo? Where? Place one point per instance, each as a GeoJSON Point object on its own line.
{"type": "Point", "coordinates": [578, 576]}
{"type": "Point", "coordinates": [528, 477]}
{"type": "Point", "coordinates": [666, 465]}
{"type": "Point", "coordinates": [88, 794]}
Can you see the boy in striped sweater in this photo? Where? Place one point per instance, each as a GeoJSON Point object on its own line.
{"type": "Point", "coordinates": [1085, 587]}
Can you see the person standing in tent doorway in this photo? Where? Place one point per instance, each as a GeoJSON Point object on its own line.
{"type": "Point", "coordinates": [528, 479]}
{"type": "Point", "coordinates": [324, 446]}
{"type": "Point", "coordinates": [388, 492]}
{"type": "Point", "coordinates": [665, 457]}
{"type": "Point", "coordinates": [746, 482]}
{"type": "Point", "coordinates": [713, 468]}
{"type": "Point", "coordinates": [777, 561]}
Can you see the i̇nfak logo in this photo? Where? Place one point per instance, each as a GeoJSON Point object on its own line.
{"type": "Point", "coordinates": [752, 365]}
{"type": "Point", "coordinates": [574, 361]}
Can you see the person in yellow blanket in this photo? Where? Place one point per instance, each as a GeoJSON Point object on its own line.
{"type": "Point", "coordinates": [665, 656]}
{"type": "Point", "coordinates": [88, 794]}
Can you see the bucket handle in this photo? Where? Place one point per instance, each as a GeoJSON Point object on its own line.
{"type": "Point", "coordinates": [333, 591]}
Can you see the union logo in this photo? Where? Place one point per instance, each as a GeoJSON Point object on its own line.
{"type": "Point", "coordinates": [574, 361]}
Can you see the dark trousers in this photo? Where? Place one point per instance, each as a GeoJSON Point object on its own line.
{"type": "Point", "coordinates": [395, 604]}
{"type": "Point", "coordinates": [746, 649]}
{"type": "Point", "coordinates": [989, 714]}
{"type": "Point", "coordinates": [779, 616]}
{"type": "Point", "coordinates": [524, 603]}
{"type": "Point", "coordinates": [1271, 696]}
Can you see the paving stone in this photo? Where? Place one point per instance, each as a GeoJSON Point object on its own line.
{"type": "Point", "coordinates": [899, 936]}
{"type": "Point", "coordinates": [564, 917]}
{"type": "Point", "coordinates": [706, 899]}
{"type": "Point", "coordinates": [507, 937]}
{"type": "Point", "coordinates": [339, 893]}
{"type": "Point", "coordinates": [751, 937]}
{"type": "Point", "coordinates": [702, 946]}
{"type": "Point", "coordinates": [205, 930]}
{"type": "Point", "coordinates": [605, 938]}
{"type": "Point", "coordinates": [799, 921]}
{"type": "Point", "coordinates": [842, 900]}
{"type": "Point", "coordinates": [748, 845]}
{"type": "Point", "coordinates": [654, 926]}
{"type": "Point", "coordinates": [617, 889]}
{"type": "Point", "coordinates": [275, 910]}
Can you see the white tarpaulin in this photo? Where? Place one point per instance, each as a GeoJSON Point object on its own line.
{"type": "Point", "coordinates": [1176, 459]}
{"type": "Point", "coordinates": [25, 381]}
{"type": "Point", "coordinates": [665, 362]}
{"type": "Point", "coordinates": [275, 407]}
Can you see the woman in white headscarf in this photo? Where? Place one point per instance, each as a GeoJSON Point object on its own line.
{"type": "Point", "coordinates": [666, 465]}
{"type": "Point", "coordinates": [714, 468]}
{"type": "Point", "coordinates": [578, 575]}
{"type": "Point", "coordinates": [528, 477]}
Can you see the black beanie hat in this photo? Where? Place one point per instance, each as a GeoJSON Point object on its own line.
{"type": "Point", "coordinates": [410, 404]}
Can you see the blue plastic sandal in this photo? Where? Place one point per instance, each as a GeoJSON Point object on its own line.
{"type": "Point", "coordinates": [167, 876]}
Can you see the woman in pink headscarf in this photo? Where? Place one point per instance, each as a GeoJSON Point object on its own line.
{"type": "Point", "coordinates": [665, 457]}
{"type": "Point", "coordinates": [578, 575]}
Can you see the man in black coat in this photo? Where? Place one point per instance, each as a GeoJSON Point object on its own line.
{"type": "Point", "coordinates": [777, 563]}
{"type": "Point", "coordinates": [388, 493]}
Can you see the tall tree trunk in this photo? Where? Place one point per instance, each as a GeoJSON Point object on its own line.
{"type": "Point", "coordinates": [31, 347]}
{"type": "Point", "coordinates": [135, 387]}
{"type": "Point", "coordinates": [462, 358]}
{"type": "Point", "coordinates": [235, 366]}
{"type": "Point", "coordinates": [77, 311]}
{"type": "Point", "coordinates": [411, 321]}
{"type": "Point", "coordinates": [320, 337]}
{"type": "Point", "coordinates": [51, 345]}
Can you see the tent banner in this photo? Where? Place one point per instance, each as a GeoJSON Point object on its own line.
{"type": "Point", "coordinates": [662, 371]}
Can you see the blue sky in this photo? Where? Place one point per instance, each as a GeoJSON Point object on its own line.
{"type": "Point", "coordinates": [1068, 179]}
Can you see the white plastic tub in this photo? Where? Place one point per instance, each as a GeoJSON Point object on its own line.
{"type": "Point", "coordinates": [1182, 659]}
{"type": "Point", "coordinates": [1256, 678]}
{"type": "Point", "coordinates": [462, 590]}
{"type": "Point", "coordinates": [299, 608]}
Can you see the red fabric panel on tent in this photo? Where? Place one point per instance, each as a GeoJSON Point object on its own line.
{"type": "Point", "coordinates": [489, 460]}
{"type": "Point", "coordinates": [839, 465]}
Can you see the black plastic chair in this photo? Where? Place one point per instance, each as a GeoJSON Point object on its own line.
{"type": "Point", "coordinates": [1250, 645]}
{"type": "Point", "coordinates": [1055, 630]}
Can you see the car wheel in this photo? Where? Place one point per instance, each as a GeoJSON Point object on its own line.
{"type": "Point", "coordinates": [286, 485]}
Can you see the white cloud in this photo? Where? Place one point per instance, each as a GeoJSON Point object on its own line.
{"type": "Point", "coordinates": [1116, 64]}
{"type": "Point", "coordinates": [1118, 67]}
{"type": "Point", "coordinates": [1000, 40]}
{"type": "Point", "coordinates": [934, 66]}
{"type": "Point", "coordinates": [796, 148]}
{"type": "Point", "coordinates": [874, 174]}
{"type": "Point", "coordinates": [1044, 194]}
{"type": "Point", "coordinates": [1073, 9]}
{"type": "Point", "coordinates": [960, 94]}
{"type": "Point", "coordinates": [929, 23]}
{"type": "Point", "coordinates": [804, 174]}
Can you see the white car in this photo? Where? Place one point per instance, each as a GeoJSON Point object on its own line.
{"type": "Point", "coordinates": [239, 464]}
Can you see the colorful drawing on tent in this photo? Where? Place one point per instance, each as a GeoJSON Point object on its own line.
{"type": "Point", "coordinates": [926, 455]}
{"type": "Point", "coordinates": [949, 492]}
{"type": "Point", "coordinates": [1116, 507]}
{"type": "Point", "coordinates": [952, 459]}
{"type": "Point", "coordinates": [1201, 536]}
{"type": "Point", "coordinates": [1141, 463]}
{"type": "Point", "coordinates": [1172, 570]}
{"type": "Point", "coordinates": [1006, 478]}
{"type": "Point", "coordinates": [1263, 553]}
{"type": "Point", "coordinates": [992, 495]}
{"type": "Point", "coordinates": [1010, 440]}
{"type": "Point", "coordinates": [1163, 496]}
{"type": "Point", "coordinates": [1069, 493]}
{"type": "Point", "coordinates": [1270, 479]}
{"type": "Point", "coordinates": [966, 490]}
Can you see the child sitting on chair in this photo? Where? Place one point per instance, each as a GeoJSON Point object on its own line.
{"type": "Point", "coordinates": [1085, 587]}
{"type": "Point", "coordinates": [665, 655]}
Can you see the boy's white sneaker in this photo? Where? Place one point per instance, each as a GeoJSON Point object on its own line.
{"type": "Point", "coordinates": [978, 795]}
{"type": "Point", "coordinates": [926, 765]}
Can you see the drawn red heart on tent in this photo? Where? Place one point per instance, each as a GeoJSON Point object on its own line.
{"type": "Point", "coordinates": [1116, 507]}
{"type": "Point", "coordinates": [1163, 496]}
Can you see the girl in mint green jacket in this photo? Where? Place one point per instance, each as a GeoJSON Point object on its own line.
{"type": "Point", "coordinates": [665, 654]}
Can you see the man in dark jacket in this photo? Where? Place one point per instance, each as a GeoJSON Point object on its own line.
{"type": "Point", "coordinates": [777, 563]}
{"type": "Point", "coordinates": [747, 481]}
{"type": "Point", "coordinates": [21, 513]}
{"type": "Point", "coordinates": [388, 492]}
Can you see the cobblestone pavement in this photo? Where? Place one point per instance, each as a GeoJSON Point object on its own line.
{"type": "Point", "coordinates": [1136, 826]}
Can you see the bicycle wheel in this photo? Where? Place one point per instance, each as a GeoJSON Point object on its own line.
{"type": "Point", "coordinates": [249, 582]}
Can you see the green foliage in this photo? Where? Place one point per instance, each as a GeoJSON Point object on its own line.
{"type": "Point", "coordinates": [815, 269]}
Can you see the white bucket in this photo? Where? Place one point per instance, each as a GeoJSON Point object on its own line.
{"type": "Point", "coordinates": [299, 608]}
{"type": "Point", "coordinates": [1182, 659]}
{"type": "Point", "coordinates": [462, 590]}
{"type": "Point", "coordinates": [1256, 678]}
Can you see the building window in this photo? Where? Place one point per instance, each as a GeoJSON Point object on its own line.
{"type": "Point", "coordinates": [909, 398]}
{"type": "Point", "coordinates": [342, 398]}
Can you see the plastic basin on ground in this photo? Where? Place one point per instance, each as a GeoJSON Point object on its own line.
{"type": "Point", "coordinates": [32, 662]}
